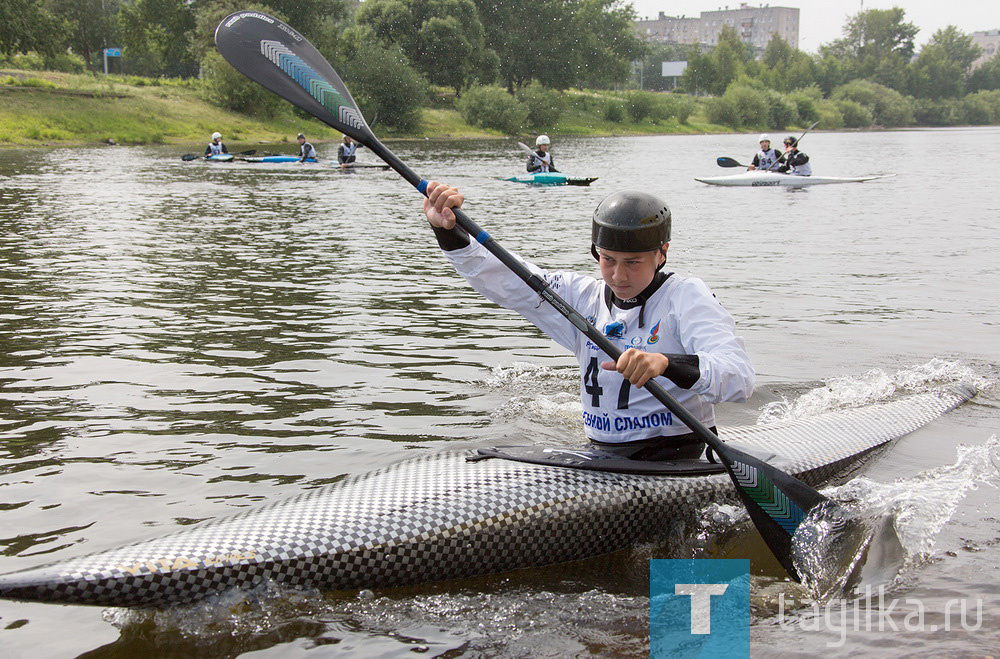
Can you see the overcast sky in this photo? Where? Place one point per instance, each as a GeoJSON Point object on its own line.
{"type": "Point", "coordinates": [822, 21]}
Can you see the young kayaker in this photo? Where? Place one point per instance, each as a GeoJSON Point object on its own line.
{"type": "Point", "coordinates": [542, 161]}
{"type": "Point", "coordinates": [306, 150]}
{"type": "Point", "coordinates": [346, 152]}
{"type": "Point", "coordinates": [216, 147]}
{"type": "Point", "coordinates": [767, 157]}
{"type": "Point", "coordinates": [793, 161]}
{"type": "Point", "coordinates": [670, 326]}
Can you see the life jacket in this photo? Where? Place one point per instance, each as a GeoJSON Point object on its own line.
{"type": "Point", "coordinates": [766, 159]}
{"type": "Point", "coordinates": [215, 149]}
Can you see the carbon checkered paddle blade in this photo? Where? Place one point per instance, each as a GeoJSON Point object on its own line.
{"type": "Point", "coordinates": [777, 502]}
{"type": "Point", "coordinates": [277, 57]}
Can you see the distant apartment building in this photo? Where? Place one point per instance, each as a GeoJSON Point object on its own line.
{"type": "Point", "coordinates": [755, 25]}
{"type": "Point", "coordinates": [670, 29]}
{"type": "Point", "coordinates": [989, 41]}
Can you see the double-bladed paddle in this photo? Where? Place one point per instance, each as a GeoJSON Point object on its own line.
{"type": "Point", "coordinates": [279, 58]}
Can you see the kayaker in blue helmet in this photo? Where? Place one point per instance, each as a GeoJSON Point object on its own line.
{"type": "Point", "coordinates": [793, 161]}
{"type": "Point", "coordinates": [306, 150]}
{"type": "Point", "coordinates": [670, 326]}
{"type": "Point", "coordinates": [346, 152]}
{"type": "Point", "coordinates": [216, 147]}
{"type": "Point", "coordinates": [542, 161]}
{"type": "Point", "coordinates": [767, 157]}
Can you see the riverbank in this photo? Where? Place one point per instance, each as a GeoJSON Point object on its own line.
{"type": "Point", "coordinates": [41, 108]}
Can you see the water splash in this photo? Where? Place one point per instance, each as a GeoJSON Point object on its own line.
{"type": "Point", "coordinates": [894, 525]}
{"type": "Point", "coordinates": [873, 386]}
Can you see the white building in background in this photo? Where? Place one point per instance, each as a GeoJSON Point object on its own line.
{"type": "Point", "coordinates": [755, 25]}
{"type": "Point", "coordinates": [989, 41]}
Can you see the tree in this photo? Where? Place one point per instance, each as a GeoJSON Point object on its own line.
{"type": "Point", "coordinates": [155, 35]}
{"type": "Point", "coordinates": [877, 44]}
{"type": "Point", "coordinates": [785, 68]}
{"type": "Point", "coordinates": [443, 39]}
{"type": "Point", "coordinates": [27, 25]}
{"type": "Point", "coordinates": [90, 26]}
{"type": "Point", "coordinates": [604, 44]}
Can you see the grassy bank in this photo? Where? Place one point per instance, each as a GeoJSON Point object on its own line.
{"type": "Point", "coordinates": [46, 108]}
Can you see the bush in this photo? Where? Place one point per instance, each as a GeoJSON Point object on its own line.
{"type": "Point", "coordinates": [232, 90]}
{"type": "Point", "coordinates": [386, 86]}
{"type": "Point", "coordinates": [982, 108]}
{"type": "Point", "coordinates": [929, 112]}
{"type": "Point", "coordinates": [749, 105]}
{"type": "Point", "coordinates": [680, 105]}
{"type": "Point", "coordinates": [781, 112]}
{"type": "Point", "coordinates": [493, 107]}
{"type": "Point", "coordinates": [614, 111]}
{"type": "Point", "coordinates": [888, 107]}
{"type": "Point", "coordinates": [721, 110]}
{"type": "Point", "coordinates": [855, 115]}
{"type": "Point", "coordinates": [545, 106]}
{"type": "Point", "coordinates": [640, 105]}
{"type": "Point", "coordinates": [806, 102]}
{"type": "Point", "coordinates": [830, 116]}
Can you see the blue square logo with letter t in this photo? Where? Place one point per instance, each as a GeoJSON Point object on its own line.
{"type": "Point", "coordinates": [698, 608]}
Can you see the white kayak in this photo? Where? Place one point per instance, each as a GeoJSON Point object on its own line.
{"type": "Point", "coordinates": [758, 178]}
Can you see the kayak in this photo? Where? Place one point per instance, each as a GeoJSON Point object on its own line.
{"type": "Point", "coordinates": [222, 157]}
{"type": "Point", "coordinates": [462, 513]}
{"type": "Point", "coordinates": [551, 178]}
{"type": "Point", "coordinates": [276, 159]}
{"type": "Point", "coordinates": [759, 178]}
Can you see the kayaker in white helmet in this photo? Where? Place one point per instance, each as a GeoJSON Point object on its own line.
{"type": "Point", "coordinates": [670, 326]}
{"type": "Point", "coordinates": [793, 161]}
{"type": "Point", "coordinates": [542, 161]}
{"type": "Point", "coordinates": [216, 147]}
{"type": "Point", "coordinates": [767, 157]}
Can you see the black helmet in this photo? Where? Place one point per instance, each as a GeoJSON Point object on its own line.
{"type": "Point", "coordinates": [791, 140]}
{"type": "Point", "coordinates": [630, 221]}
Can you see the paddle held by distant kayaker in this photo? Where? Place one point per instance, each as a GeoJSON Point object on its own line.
{"type": "Point", "coordinates": [670, 326]}
{"type": "Point", "coordinates": [793, 161]}
{"type": "Point", "coordinates": [216, 147]}
{"type": "Point", "coordinates": [767, 157]}
{"type": "Point", "coordinates": [542, 162]}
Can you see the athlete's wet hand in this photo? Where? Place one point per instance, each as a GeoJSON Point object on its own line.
{"type": "Point", "coordinates": [637, 366]}
{"type": "Point", "coordinates": [440, 200]}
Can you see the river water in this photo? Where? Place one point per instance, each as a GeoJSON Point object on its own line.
{"type": "Point", "coordinates": [182, 341]}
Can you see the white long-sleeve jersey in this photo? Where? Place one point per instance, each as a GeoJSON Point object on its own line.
{"type": "Point", "coordinates": [681, 317]}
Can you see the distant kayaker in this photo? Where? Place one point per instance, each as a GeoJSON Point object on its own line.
{"type": "Point", "coordinates": [216, 147]}
{"type": "Point", "coordinates": [542, 161]}
{"type": "Point", "coordinates": [793, 161]}
{"type": "Point", "coordinates": [346, 152]}
{"type": "Point", "coordinates": [306, 150]}
{"type": "Point", "coordinates": [767, 157]}
{"type": "Point", "coordinates": [669, 325]}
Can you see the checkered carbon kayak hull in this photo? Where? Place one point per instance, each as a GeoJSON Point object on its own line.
{"type": "Point", "coordinates": [441, 516]}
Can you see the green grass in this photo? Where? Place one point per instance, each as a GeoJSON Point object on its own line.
{"type": "Point", "coordinates": [47, 108]}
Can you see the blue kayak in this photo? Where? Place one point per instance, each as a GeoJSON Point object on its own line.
{"type": "Point", "coordinates": [222, 157]}
{"type": "Point", "coordinates": [551, 178]}
{"type": "Point", "coordinates": [276, 159]}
